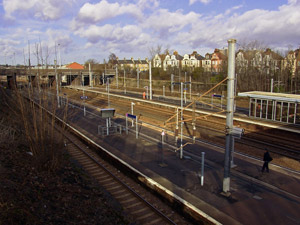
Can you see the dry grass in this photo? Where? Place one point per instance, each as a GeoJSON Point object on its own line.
{"type": "Point", "coordinates": [36, 125]}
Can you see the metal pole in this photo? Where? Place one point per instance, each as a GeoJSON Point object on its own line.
{"type": "Point", "coordinates": [117, 77]}
{"type": "Point", "coordinates": [177, 126]}
{"type": "Point", "coordinates": [83, 102]}
{"type": "Point", "coordinates": [164, 90]}
{"type": "Point", "coordinates": [108, 100]}
{"type": "Point", "coordinates": [147, 95]}
{"type": "Point", "coordinates": [56, 80]}
{"type": "Point", "coordinates": [221, 102]}
{"type": "Point", "coordinates": [107, 127]}
{"type": "Point", "coordinates": [124, 82]}
{"type": "Point", "coordinates": [202, 168]}
{"type": "Point", "coordinates": [126, 124]}
{"type": "Point", "coordinates": [295, 113]}
{"type": "Point", "coordinates": [229, 115]}
{"type": "Point", "coordinates": [181, 119]}
{"type": "Point", "coordinates": [281, 108]}
{"type": "Point", "coordinates": [267, 108]}
{"type": "Point", "coordinates": [150, 80]}
{"type": "Point", "coordinates": [272, 82]}
{"type": "Point", "coordinates": [138, 78]}
{"type": "Point", "coordinates": [185, 80]}
{"type": "Point", "coordinates": [136, 128]}
{"type": "Point", "coordinates": [132, 104]}
{"type": "Point", "coordinates": [190, 87]}
{"type": "Point", "coordinates": [90, 76]}
{"type": "Point", "coordinates": [59, 55]}
{"type": "Point", "coordinates": [288, 113]}
{"type": "Point", "coordinates": [172, 81]}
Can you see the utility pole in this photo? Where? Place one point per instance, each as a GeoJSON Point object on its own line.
{"type": "Point", "coordinates": [150, 80]}
{"type": "Point", "coordinates": [229, 116]}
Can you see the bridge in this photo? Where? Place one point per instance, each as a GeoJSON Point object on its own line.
{"type": "Point", "coordinates": [24, 75]}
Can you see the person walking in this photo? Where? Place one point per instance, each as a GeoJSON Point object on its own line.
{"type": "Point", "coordinates": [267, 159]}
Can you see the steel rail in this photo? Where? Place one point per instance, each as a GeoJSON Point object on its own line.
{"type": "Point", "coordinates": [158, 212]}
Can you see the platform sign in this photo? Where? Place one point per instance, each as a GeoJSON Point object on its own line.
{"type": "Point", "coordinates": [83, 97]}
{"type": "Point", "coordinates": [218, 96]}
{"type": "Point", "coordinates": [107, 113]}
{"type": "Point", "coordinates": [131, 116]}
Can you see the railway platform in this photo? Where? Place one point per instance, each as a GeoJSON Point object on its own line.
{"type": "Point", "coordinates": [256, 198]}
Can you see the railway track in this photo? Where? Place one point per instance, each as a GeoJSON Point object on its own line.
{"type": "Point", "coordinates": [284, 146]}
{"type": "Point", "coordinates": [135, 201]}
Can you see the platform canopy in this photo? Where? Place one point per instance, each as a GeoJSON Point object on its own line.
{"type": "Point", "coordinates": [281, 97]}
{"type": "Point", "coordinates": [274, 106]}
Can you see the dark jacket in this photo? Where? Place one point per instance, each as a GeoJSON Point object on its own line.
{"type": "Point", "coordinates": [267, 157]}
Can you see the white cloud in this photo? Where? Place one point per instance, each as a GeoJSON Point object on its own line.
{"type": "Point", "coordinates": [45, 10]}
{"type": "Point", "coordinates": [152, 4]}
{"type": "Point", "coordinates": [115, 38]}
{"type": "Point", "coordinates": [95, 13]}
{"type": "Point", "coordinates": [278, 27]}
{"type": "Point", "coordinates": [110, 33]}
{"type": "Point", "coordinates": [164, 21]}
{"type": "Point", "coordinates": [202, 1]}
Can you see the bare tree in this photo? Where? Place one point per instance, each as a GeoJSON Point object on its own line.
{"type": "Point", "coordinates": [112, 59]}
{"type": "Point", "coordinates": [155, 50]}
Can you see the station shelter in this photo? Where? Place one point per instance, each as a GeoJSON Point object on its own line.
{"type": "Point", "coordinates": [274, 106]}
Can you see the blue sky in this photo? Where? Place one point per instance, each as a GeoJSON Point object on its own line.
{"type": "Point", "coordinates": [84, 30]}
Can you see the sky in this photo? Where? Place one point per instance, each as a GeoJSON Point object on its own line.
{"type": "Point", "coordinates": [79, 30]}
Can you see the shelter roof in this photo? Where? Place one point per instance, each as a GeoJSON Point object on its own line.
{"type": "Point", "coordinates": [271, 96]}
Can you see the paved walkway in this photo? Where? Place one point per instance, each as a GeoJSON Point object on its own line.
{"type": "Point", "coordinates": [256, 198]}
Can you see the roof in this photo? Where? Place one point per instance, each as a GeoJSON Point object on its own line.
{"type": "Point", "coordinates": [271, 96]}
{"type": "Point", "coordinates": [75, 65]}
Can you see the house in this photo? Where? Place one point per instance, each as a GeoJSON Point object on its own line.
{"type": "Point", "coordinates": [172, 61]}
{"type": "Point", "coordinates": [267, 62]}
{"type": "Point", "coordinates": [218, 61]}
{"type": "Point", "coordinates": [192, 60]}
{"type": "Point", "coordinates": [271, 62]}
{"type": "Point", "coordinates": [158, 61]}
{"type": "Point", "coordinates": [141, 65]}
{"type": "Point", "coordinates": [292, 62]}
{"type": "Point", "coordinates": [206, 62]}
